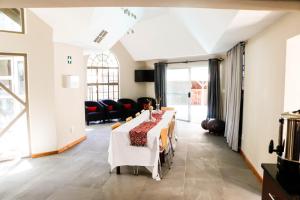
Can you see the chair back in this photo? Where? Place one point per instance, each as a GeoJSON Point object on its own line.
{"type": "Point", "coordinates": [167, 108]}
{"type": "Point", "coordinates": [115, 125]}
{"type": "Point", "coordinates": [128, 119]}
{"type": "Point", "coordinates": [137, 114]}
{"type": "Point", "coordinates": [171, 128]}
{"type": "Point", "coordinates": [164, 138]}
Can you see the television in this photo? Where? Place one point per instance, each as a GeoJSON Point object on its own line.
{"type": "Point", "coordinates": [144, 76]}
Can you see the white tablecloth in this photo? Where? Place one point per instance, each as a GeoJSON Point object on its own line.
{"type": "Point", "coordinates": [121, 153]}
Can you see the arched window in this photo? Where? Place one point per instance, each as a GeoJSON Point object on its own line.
{"type": "Point", "coordinates": [102, 77]}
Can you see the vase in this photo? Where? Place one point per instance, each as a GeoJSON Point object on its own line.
{"type": "Point", "coordinates": [157, 107]}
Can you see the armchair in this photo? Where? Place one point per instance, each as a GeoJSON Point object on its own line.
{"type": "Point", "coordinates": [94, 111]}
{"type": "Point", "coordinates": [113, 108]}
{"type": "Point", "coordinates": [144, 100]}
{"type": "Point", "coordinates": [129, 106]}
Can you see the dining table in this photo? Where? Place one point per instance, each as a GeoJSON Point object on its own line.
{"type": "Point", "coordinates": [122, 152]}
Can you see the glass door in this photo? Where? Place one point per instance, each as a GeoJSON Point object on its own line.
{"type": "Point", "coordinates": [14, 138]}
{"type": "Point", "coordinates": [199, 78]}
{"type": "Point", "coordinates": [178, 91]}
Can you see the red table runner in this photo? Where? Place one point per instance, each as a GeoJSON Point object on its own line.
{"type": "Point", "coordinates": [138, 135]}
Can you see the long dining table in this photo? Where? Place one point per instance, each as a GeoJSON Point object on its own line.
{"type": "Point", "coordinates": [122, 153]}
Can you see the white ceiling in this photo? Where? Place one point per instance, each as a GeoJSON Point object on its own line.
{"type": "Point", "coordinates": [159, 33]}
{"type": "Point", "coordinates": [189, 32]}
{"type": "Point", "coordinates": [80, 26]}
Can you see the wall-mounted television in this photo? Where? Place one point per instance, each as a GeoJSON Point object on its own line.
{"type": "Point", "coordinates": [144, 75]}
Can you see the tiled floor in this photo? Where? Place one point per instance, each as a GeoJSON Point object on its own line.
{"type": "Point", "coordinates": [203, 169]}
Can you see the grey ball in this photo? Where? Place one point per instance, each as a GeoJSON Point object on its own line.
{"type": "Point", "coordinates": [216, 126]}
{"type": "Point", "coordinates": [204, 124]}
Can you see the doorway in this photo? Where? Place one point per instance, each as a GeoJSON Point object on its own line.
{"type": "Point", "coordinates": [14, 134]}
{"type": "Point", "coordinates": [187, 91]}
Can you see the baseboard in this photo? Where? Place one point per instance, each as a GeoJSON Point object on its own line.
{"type": "Point", "coordinates": [49, 153]}
{"type": "Point", "coordinates": [72, 144]}
{"type": "Point", "coordinates": [68, 146]}
{"type": "Point", "coordinates": [251, 166]}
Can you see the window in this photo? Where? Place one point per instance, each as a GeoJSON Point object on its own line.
{"type": "Point", "coordinates": [14, 141]}
{"type": "Point", "coordinates": [12, 20]}
{"type": "Point", "coordinates": [102, 77]}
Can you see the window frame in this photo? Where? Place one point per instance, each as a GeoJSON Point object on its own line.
{"type": "Point", "coordinates": [22, 24]}
{"type": "Point", "coordinates": [107, 83]}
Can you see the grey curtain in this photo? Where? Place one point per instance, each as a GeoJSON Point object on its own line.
{"type": "Point", "coordinates": [160, 82]}
{"type": "Point", "coordinates": [214, 95]}
{"type": "Point", "coordinates": [234, 65]}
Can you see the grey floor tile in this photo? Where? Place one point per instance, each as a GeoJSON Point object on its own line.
{"type": "Point", "coordinates": [203, 168]}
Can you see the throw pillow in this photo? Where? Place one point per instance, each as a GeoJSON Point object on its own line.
{"type": "Point", "coordinates": [110, 107]}
{"type": "Point", "coordinates": [92, 108]}
{"type": "Point", "coordinates": [127, 106]}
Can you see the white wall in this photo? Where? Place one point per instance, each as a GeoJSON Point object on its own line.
{"type": "Point", "coordinates": [128, 87]}
{"type": "Point", "coordinates": [264, 88]}
{"type": "Point", "coordinates": [149, 86]}
{"type": "Point", "coordinates": [69, 102]}
{"type": "Point", "coordinates": [37, 43]}
{"type": "Point", "coordinates": [292, 72]}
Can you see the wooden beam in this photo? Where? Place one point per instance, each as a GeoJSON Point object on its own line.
{"type": "Point", "coordinates": [218, 4]}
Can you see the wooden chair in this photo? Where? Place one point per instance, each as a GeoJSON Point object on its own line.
{"type": "Point", "coordinates": [171, 134]}
{"type": "Point", "coordinates": [137, 114]}
{"type": "Point", "coordinates": [128, 119]}
{"type": "Point", "coordinates": [164, 149]}
{"type": "Point", "coordinates": [115, 125]}
{"type": "Point", "coordinates": [167, 108]}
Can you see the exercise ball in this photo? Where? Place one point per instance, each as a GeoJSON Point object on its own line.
{"type": "Point", "coordinates": [216, 126]}
{"type": "Point", "coordinates": [204, 124]}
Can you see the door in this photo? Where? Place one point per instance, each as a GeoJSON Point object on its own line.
{"type": "Point", "coordinates": [199, 90]}
{"type": "Point", "coordinates": [178, 91]}
{"type": "Point", "coordinates": [187, 91]}
{"type": "Point", "coordinates": [14, 135]}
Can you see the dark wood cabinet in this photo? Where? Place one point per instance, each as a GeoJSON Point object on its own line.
{"type": "Point", "coordinates": [273, 189]}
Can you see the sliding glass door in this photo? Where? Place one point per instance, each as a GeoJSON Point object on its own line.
{"type": "Point", "coordinates": [187, 91]}
{"type": "Point", "coordinates": [14, 139]}
{"type": "Point", "coordinates": [178, 92]}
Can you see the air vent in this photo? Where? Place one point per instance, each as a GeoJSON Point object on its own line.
{"type": "Point", "coordinates": [101, 36]}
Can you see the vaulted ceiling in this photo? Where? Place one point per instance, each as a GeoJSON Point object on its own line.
{"type": "Point", "coordinates": [156, 33]}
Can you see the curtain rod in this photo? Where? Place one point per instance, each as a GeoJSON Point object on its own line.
{"type": "Point", "coordinates": [191, 61]}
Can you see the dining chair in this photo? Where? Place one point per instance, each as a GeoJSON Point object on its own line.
{"type": "Point", "coordinates": [171, 133]}
{"type": "Point", "coordinates": [128, 119]}
{"type": "Point", "coordinates": [137, 114]}
{"type": "Point", "coordinates": [115, 125]}
{"type": "Point", "coordinates": [164, 149]}
{"type": "Point", "coordinates": [167, 108]}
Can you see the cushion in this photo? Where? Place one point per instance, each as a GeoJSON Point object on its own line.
{"type": "Point", "coordinates": [92, 108]}
{"type": "Point", "coordinates": [110, 107]}
{"type": "Point", "coordinates": [127, 106]}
